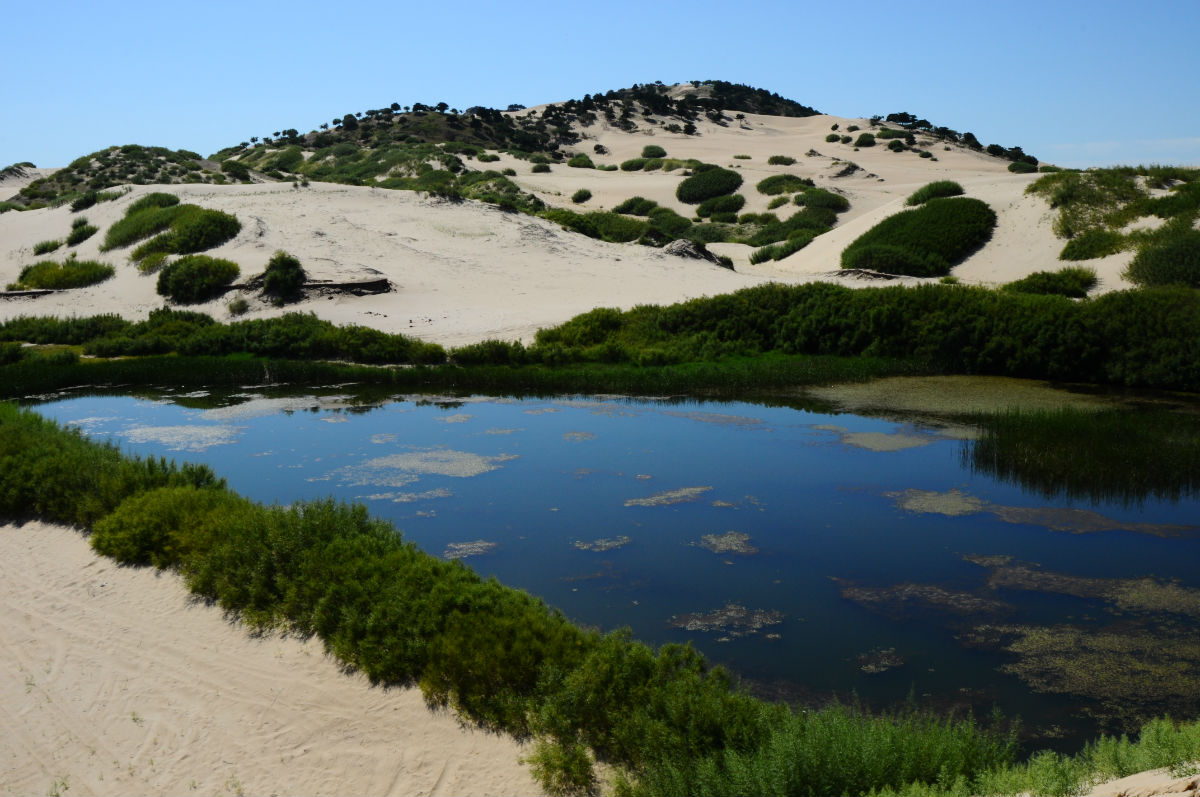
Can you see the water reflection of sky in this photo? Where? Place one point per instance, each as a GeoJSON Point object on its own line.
{"type": "Point", "coordinates": [673, 518]}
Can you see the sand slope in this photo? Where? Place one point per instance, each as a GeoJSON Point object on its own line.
{"type": "Point", "coordinates": [115, 683]}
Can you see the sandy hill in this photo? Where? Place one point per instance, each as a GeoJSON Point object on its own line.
{"type": "Point", "coordinates": [467, 271]}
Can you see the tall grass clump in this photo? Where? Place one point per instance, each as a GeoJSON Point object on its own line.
{"type": "Point", "coordinates": [938, 188]}
{"type": "Point", "coordinates": [80, 232]}
{"type": "Point", "coordinates": [1172, 259]}
{"type": "Point", "coordinates": [781, 160]}
{"type": "Point", "coordinates": [633, 164]}
{"type": "Point", "coordinates": [1073, 282]}
{"type": "Point", "coordinates": [581, 161]}
{"type": "Point", "coordinates": [70, 273]}
{"type": "Point", "coordinates": [46, 247]}
{"type": "Point", "coordinates": [794, 243]}
{"type": "Point", "coordinates": [1093, 243]}
{"type": "Point", "coordinates": [925, 242]}
{"type": "Point", "coordinates": [196, 278]}
{"type": "Point", "coordinates": [193, 229]}
{"type": "Point", "coordinates": [783, 184]}
{"type": "Point", "coordinates": [712, 182]}
{"type": "Point", "coordinates": [636, 206]}
{"type": "Point", "coordinates": [581, 196]}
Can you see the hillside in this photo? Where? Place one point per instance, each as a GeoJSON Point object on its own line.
{"type": "Point", "coordinates": [465, 255]}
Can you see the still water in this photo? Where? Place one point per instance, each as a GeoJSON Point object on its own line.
{"type": "Point", "coordinates": [815, 553]}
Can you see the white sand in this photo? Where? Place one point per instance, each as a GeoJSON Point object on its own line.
{"type": "Point", "coordinates": [116, 683]}
{"type": "Point", "coordinates": [468, 272]}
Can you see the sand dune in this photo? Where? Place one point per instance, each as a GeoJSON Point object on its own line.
{"type": "Point", "coordinates": [465, 272]}
{"type": "Point", "coordinates": [116, 683]}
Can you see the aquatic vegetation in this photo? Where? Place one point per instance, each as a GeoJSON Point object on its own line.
{"type": "Point", "coordinates": [461, 550]}
{"type": "Point", "coordinates": [682, 495]}
{"type": "Point", "coordinates": [905, 600]}
{"type": "Point", "coordinates": [729, 542]}
{"type": "Point", "coordinates": [603, 544]}
{"type": "Point", "coordinates": [733, 620]}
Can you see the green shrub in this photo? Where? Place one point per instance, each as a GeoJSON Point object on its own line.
{"type": "Point", "coordinates": [668, 224]}
{"type": "Point", "coordinates": [653, 165]}
{"type": "Point", "coordinates": [781, 160]}
{"type": "Point", "coordinates": [939, 188]}
{"type": "Point", "coordinates": [581, 161]}
{"type": "Point", "coordinates": [711, 182]}
{"type": "Point", "coordinates": [636, 206]}
{"type": "Point", "coordinates": [1022, 167]}
{"type": "Point", "coordinates": [1073, 282]}
{"type": "Point", "coordinates": [45, 247]}
{"type": "Point", "coordinates": [284, 277]}
{"type": "Point", "coordinates": [607, 226]}
{"type": "Point", "coordinates": [783, 184]}
{"type": "Point", "coordinates": [833, 138]}
{"type": "Point", "coordinates": [633, 164]}
{"type": "Point", "coordinates": [138, 224]}
{"type": "Point", "coordinates": [845, 139]}
{"type": "Point", "coordinates": [777, 202]}
{"type": "Point", "coordinates": [817, 220]}
{"type": "Point", "coordinates": [193, 229]}
{"type": "Point", "coordinates": [80, 233]}
{"type": "Point", "coordinates": [724, 217]}
{"type": "Point", "coordinates": [71, 273]}
{"type": "Point", "coordinates": [85, 201]}
{"type": "Point", "coordinates": [238, 306]}
{"type": "Point", "coordinates": [165, 526]}
{"type": "Point", "coordinates": [821, 198]}
{"type": "Point", "coordinates": [285, 161]}
{"type": "Point", "coordinates": [581, 196]}
{"type": "Point", "coordinates": [742, 157]}
{"type": "Point", "coordinates": [924, 242]}
{"type": "Point", "coordinates": [540, 168]}
{"type": "Point", "coordinates": [864, 140]}
{"type": "Point", "coordinates": [729, 203]}
{"type": "Point", "coordinates": [155, 199]}
{"type": "Point", "coordinates": [196, 278]}
{"type": "Point", "coordinates": [794, 243]}
{"type": "Point", "coordinates": [1175, 260]}
{"type": "Point", "coordinates": [509, 172]}
{"type": "Point", "coordinates": [896, 146]}
{"type": "Point", "coordinates": [487, 157]}
{"type": "Point", "coordinates": [653, 151]}
{"type": "Point", "coordinates": [1093, 243]}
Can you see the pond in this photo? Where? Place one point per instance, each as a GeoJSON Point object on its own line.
{"type": "Point", "coordinates": [819, 550]}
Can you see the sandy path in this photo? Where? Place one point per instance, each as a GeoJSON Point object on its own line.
{"type": "Point", "coordinates": [116, 683]}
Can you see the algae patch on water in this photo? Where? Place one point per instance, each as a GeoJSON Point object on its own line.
{"type": "Point", "coordinates": [734, 620]}
{"type": "Point", "coordinates": [729, 542]}
{"type": "Point", "coordinates": [185, 438]}
{"type": "Point", "coordinates": [461, 550]}
{"type": "Point", "coordinates": [397, 470]}
{"type": "Point", "coordinates": [904, 600]}
{"type": "Point", "coordinates": [954, 395]}
{"type": "Point", "coordinates": [602, 544]}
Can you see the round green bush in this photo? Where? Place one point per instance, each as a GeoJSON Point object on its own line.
{"type": "Point", "coordinates": [581, 196]}
{"type": "Point", "coordinates": [581, 161]}
{"type": "Point", "coordinates": [729, 203]}
{"type": "Point", "coordinates": [784, 160]}
{"type": "Point", "coordinates": [865, 140]}
{"type": "Point", "coordinates": [196, 278]}
{"type": "Point", "coordinates": [924, 242]}
{"type": "Point", "coordinates": [1022, 167]}
{"type": "Point", "coordinates": [1073, 282]}
{"type": "Point", "coordinates": [1175, 261]}
{"type": "Point", "coordinates": [636, 206]}
{"type": "Point", "coordinates": [653, 151]}
{"type": "Point", "coordinates": [707, 184]}
{"type": "Point", "coordinates": [633, 164]}
{"type": "Point", "coordinates": [284, 277]}
{"type": "Point", "coordinates": [155, 199]}
{"type": "Point", "coordinates": [833, 138]}
{"type": "Point", "coordinates": [820, 198]}
{"type": "Point", "coordinates": [540, 168]}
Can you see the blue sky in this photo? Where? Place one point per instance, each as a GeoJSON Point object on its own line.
{"type": "Point", "coordinates": [1074, 83]}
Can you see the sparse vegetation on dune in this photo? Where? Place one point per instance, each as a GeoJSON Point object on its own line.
{"type": "Point", "coordinates": [925, 242]}
{"type": "Point", "coordinates": [70, 273]}
{"type": "Point", "coordinates": [939, 188]}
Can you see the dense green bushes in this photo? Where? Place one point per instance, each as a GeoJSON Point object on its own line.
{"type": "Point", "coordinates": [925, 242]}
{"type": "Point", "coordinates": [1136, 338]}
{"type": "Point", "coordinates": [196, 278]}
{"type": "Point", "coordinates": [1172, 260]}
{"type": "Point", "coordinates": [70, 273]}
{"type": "Point", "coordinates": [781, 160]}
{"type": "Point", "coordinates": [606, 226]}
{"type": "Point", "coordinates": [193, 229]}
{"type": "Point", "coordinates": [46, 247]}
{"type": "Point", "coordinates": [783, 184]}
{"type": "Point", "coordinates": [707, 184]}
{"type": "Point", "coordinates": [653, 151]}
{"type": "Point", "coordinates": [636, 206]}
{"type": "Point", "coordinates": [581, 196]}
{"type": "Point", "coordinates": [1093, 243]}
{"type": "Point", "coordinates": [728, 203]}
{"type": "Point", "coordinates": [821, 198]}
{"type": "Point", "coordinates": [581, 161]}
{"type": "Point", "coordinates": [864, 140]}
{"type": "Point", "coordinates": [1072, 282]}
{"type": "Point", "coordinates": [80, 232]}
{"type": "Point", "coordinates": [938, 188]}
